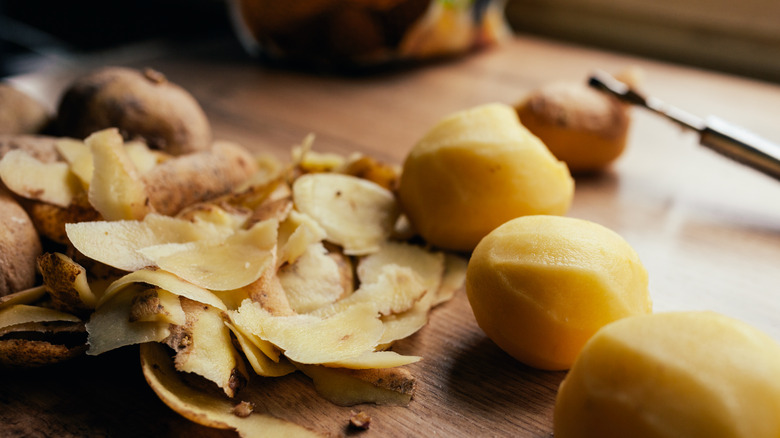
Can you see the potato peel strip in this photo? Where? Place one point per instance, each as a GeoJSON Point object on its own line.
{"type": "Point", "coordinates": [202, 409]}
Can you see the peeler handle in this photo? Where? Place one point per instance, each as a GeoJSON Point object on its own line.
{"type": "Point", "coordinates": [741, 145]}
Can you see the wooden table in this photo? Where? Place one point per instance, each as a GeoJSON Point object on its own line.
{"type": "Point", "coordinates": [708, 230]}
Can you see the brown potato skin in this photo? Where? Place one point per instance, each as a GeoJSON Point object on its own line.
{"type": "Point", "coordinates": [186, 180]}
{"type": "Point", "coordinates": [140, 104]}
{"type": "Point", "coordinates": [25, 353]}
{"type": "Point", "coordinates": [20, 113]}
{"type": "Point", "coordinates": [50, 220]}
{"type": "Point", "coordinates": [19, 246]}
{"type": "Point", "coordinates": [581, 126]}
{"type": "Point", "coordinates": [41, 147]}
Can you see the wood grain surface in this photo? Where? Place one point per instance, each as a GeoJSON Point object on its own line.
{"type": "Point", "coordinates": [708, 230]}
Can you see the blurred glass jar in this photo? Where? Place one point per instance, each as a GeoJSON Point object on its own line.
{"type": "Point", "coordinates": [364, 33]}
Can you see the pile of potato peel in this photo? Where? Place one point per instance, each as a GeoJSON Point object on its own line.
{"type": "Point", "coordinates": [224, 265]}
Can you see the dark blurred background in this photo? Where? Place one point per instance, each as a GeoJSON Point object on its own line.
{"type": "Point", "coordinates": [735, 37]}
{"type": "Point", "coordinates": [37, 31]}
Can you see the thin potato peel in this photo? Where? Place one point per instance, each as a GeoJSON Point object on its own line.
{"type": "Point", "coordinates": [202, 409]}
{"type": "Point", "coordinates": [51, 183]}
{"type": "Point", "coordinates": [300, 269]}
{"type": "Point", "coordinates": [388, 386]}
{"type": "Point", "coordinates": [310, 339]}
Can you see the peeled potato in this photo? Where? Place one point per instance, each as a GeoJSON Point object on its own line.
{"type": "Point", "coordinates": [677, 374]}
{"type": "Point", "coordinates": [541, 286]}
{"type": "Point", "coordinates": [475, 170]}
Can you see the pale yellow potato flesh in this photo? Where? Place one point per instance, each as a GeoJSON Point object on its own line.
{"type": "Point", "coordinates": [475, 170]}
{"type": "Point", "coordinates": [296, 234]}
{"type": "Point", "coordinates": [402, 325]}
{"type": "Point", "coordinates": [24, 313]}
{"type": "Point", "coordinates": [29, 178]}
{"type": "Point", "coordinates": [428, 265]}
{"type": "Point", "coordinates": [79, 156]}
{"type": "Point", "coordinates": [395, 290]}
{"type": "Point", "coordinates": [540, 286]}
{"type": "Point", "coordinates": [356, 214]}
{"type": "Point", "coordinates": [692, 374]}
{"type": "Point", "coordinates": [116, 190]}
{"type": "Point", "coordinates": [375, 360]}
{"type": "Point", "coordinates": [109, 327]}
{"type": "Point", "coordinates": [312, 281]}
{"type": "Point", "coordinates": [157, 305]}
{"type": "Point", "coordinates": [344, 387]}
{"type": "Point", "coordinates": [117, 243]}
{"type": "Point", "coordinates": [454, 277]}
{"type": "Point", "coordinates": [258, 360]}
{"type": "Point", "coordinates": [203, 346]}
{"type": "Point", "coordinates": [219, 265]}
{"type": "Point", "coordinates": [27, 296]}
{"type": "Point", "coordinates": [166, 281]}
{"type": "Point", "coordinates": [310, 339]}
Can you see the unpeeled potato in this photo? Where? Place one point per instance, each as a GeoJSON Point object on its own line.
{"type": "Point", "coordinates": [140, 104]}
{"type": "Point", "coordinates": [20, 113]}
{"type": "Point", "coordinates": [19, 246]}
{"type": "Point", "coordinates": [583, 127]}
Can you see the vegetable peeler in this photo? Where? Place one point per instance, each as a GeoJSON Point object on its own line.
{"type": "Point", "coordinates": [717, 134]}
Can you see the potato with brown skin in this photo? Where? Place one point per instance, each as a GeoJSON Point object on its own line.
{"type": "Point", "coordinates": [140, 104]}
{"type": "Point", "coordinates": [19, 246]}
{"type": "Point", "coordinates": [186, 180]}
{"type": "Point", "coordinates": [20, 113]}
{"type": "Point", "coordinates": [50, 219]}
{"type": "Point", "coordinates": [585, 128]}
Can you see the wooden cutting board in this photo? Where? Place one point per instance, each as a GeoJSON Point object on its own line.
{"type": "Point", "coordinates": [707, 230]}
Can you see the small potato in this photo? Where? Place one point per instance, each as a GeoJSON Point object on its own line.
{"type": "Point", "coordinates": [20, 113]}
{"type": "Point", "coordinates": [581, 126]}
{"type": "Point", "coordinates": [19, 246]}
{"type": "Point", "coordinates": [140, 104]}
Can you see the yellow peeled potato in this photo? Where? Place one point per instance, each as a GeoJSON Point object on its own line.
{"type": "Point", "coordinates": [676, 374]}
{"type": "Point", "coordinates": [475, 170]}
{"type": "Point", "coordinates": [541, 286]}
